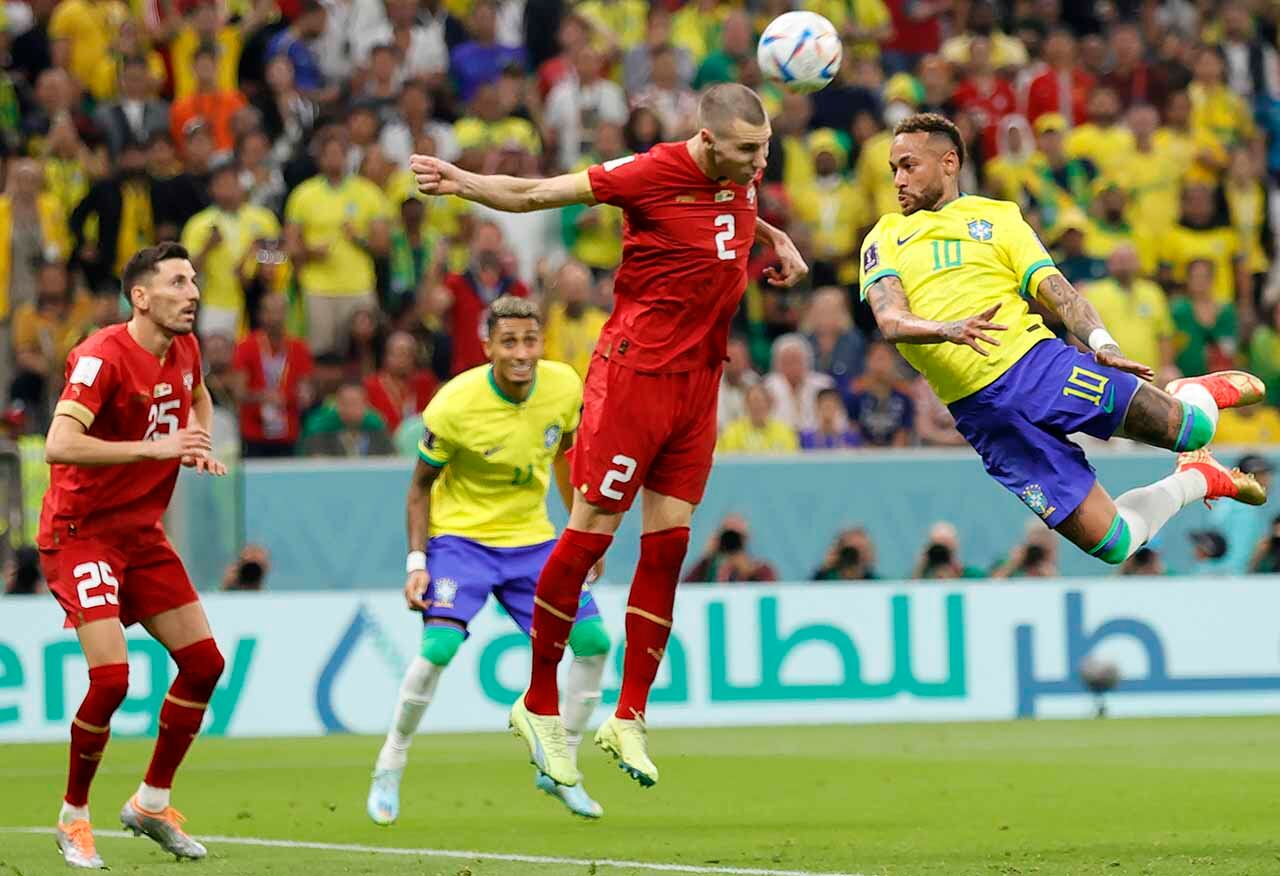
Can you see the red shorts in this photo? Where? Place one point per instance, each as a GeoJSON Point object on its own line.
{"type": "Point", "coordinates": [656, 431]}
{"type": "Point", "coordinates": [128, 575]}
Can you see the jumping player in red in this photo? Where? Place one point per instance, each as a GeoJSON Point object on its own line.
{"type": "Point", "coordinates": [132, 410]}
{"type": "Point", "coordinates": [649, 416]}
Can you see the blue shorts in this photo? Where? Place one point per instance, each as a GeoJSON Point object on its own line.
{"type": "Point", "coordinates": [1019, 424]}
{"type": "Point", "coordinates": [464, 572]}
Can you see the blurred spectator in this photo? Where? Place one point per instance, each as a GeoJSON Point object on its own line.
{"type": "Point", "coordinates": [1203, 233]}
{"type": "Point", "coordinates": [737, 377]}
{"type": "Point", "coordinates": [573, 322]}
{"type": "Point", "coordinates": [1205, 325]}
{"type": "Point", "coordinates": [1246, 198]}
{"type": "Point", "coordinates": [1103, 140]}
{"type": "Point", "coordinates": [32, 229]}
{"type": "Point", "coordinates": [348, 427]}
{"type": "Point", "coordinates": [1215, 106]}
{"type": "Point", "coordinates": [1144, 561]}
{"type": "Point", "coordinates": [829, 204]}
{"type": "Point", "coordinates": [940, 557]}
{"type": "Point", "coordinates": [1130, 77]}
{"type": "Point", "coordinates": [735, 46]}
{"type": "Point", "coordinates": [209, 102]}
{"type": "Point", "coordinates": [249, 571]}
{"type": "Point", "coordinates": [288, 115]}
{"type": "Point", "coordinates": [934, 424]}
{"type": "Point", "coordinates": [1068, 241]}
{"type": "Point", "coordinates": [643, 130]}
{"type": "Point", "coordinates": [136, 114]}
{"type": "Point", "coordinates": [851, 557]}
{"type": "Point", "coordinates": [366, 340]}
{"type": "Point", "coordinates": [413, 117]}
{"type": "Point", "coordinates": [1064, 87]}
{"type": "Point", "coordinates": [581, 101]}
{"type": "Point", "coordinates": [25, 577]}
{"type": "Point", "coordinates": [400, 389]}
{"type": "Point", "coordinates": [88, 28]}
{"type": "Point", "coordinates": [831, 431]}
{"type": "Point", "coordinates": [274, 383]}
{"type": "Point", "coordinates": [1265, 555]}
{"type": "Point", "coordinates": [985, 93]}
{"type": "Point", "coordinates": [206, 26]}
{"type": "Point", "coordinates": [982, 25]}
{"type": "Point", "coordinates": [221, 380]}
{"type": "Point", "coordinates": [30, 53]}
{"type": "Point", "coordinates": [1035, 557]}
{"type": "Point", "coordinates": [759, 431]}
{"type": "Point", "coordinates": [180, 190]}
{"type": "Point", "coordinates": [882, 413]}
{"type": "Point", "coordinates": [1263, 353]}
{"type": "Point", "coordinates": [838, 349]}
{"type": "Point", "coordinates": [726, 559]}
{"type": "Point", "coordinates": [793, 383]}
{"type": "Point", "coordinates": [593, 235]}
{"type": "Point", "coordinates": [1252, 426]}
{"type": "Point", "coordinates": [44, 331]}
{"type": "Point", "coordinates": [295, 44]}
{"type": "Point", "coordinates": [224, 243]}
{"type": "Point", "coordinates": [1243, 525]}
{"type": "Point", "coordinates": [1208, 549]}
{"type": "Point", "coordinates": [481, 59]}
{"type": "Point", "coordinates": [485, 279]}
{"type": "Point", "coordinates": [1059, 182]}
{"type": "Point", "coordinates": [1153, 172]}
{"type": "Point", "coordinates": [122, 206]}
{"type": "Point", "coordinates": [668, 94]}
{"type": "Point", "coordinates": [638, 64]}
{"type": "Point", "coordinates": [1137, 312]}
{"type": "Point", "coordinates": [1252, 67]}
{"type": "Point", "coordinates": [573, 33]}
{"type": "Point", "coordinates": [1009, 174]}
{"type": "Point", "coordinates": [422, 48]}
{"type": "Point", "coordinates": [260, 175]}
{"type": "Point", "coordinates": [336, 224]}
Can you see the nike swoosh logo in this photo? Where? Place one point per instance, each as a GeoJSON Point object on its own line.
{"type": "Point", "coordinates": [1109, 404]}
{"type": "Point", "coordinates": [902, 240]}
{"type": "Point", "coordinates": [491, 451]}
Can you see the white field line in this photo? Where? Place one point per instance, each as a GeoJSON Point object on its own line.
{"type": "Point", "coordinates": [465, 855]}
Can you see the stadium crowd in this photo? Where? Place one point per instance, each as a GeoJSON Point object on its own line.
{"type": "Point", "coordinates": [271, 137]}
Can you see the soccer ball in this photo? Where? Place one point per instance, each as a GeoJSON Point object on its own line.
{"type": "Point", "coordinates": [801, 50]}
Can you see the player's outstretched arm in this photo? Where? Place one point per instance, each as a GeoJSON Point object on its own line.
{"type": "Point", "coordinates": [511, 194]}
{"type": "Point", "coordinates": [899, 325]}
{"type": "Point", "coordinates": [68, 444]}
{"type": "Point", "coordinates": [417, 518]}
{"type": "Point", "coordinates": [1081, 319]}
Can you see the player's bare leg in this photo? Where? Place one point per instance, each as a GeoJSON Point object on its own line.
{"type": "Point", "coordinates": [535, 717]}
{"type": "Point", "coordinates": [1184, 421]}
{"type": "Point", "coordinates": [650, 608]}
{"type": "Point", "coordinates": [185, 632]}
{"type": "Point", "coordinates": [106, 653]}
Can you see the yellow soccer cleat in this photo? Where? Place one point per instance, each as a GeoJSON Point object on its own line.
{"type": "Point", "coordinates": [548, 747]}
{"type": "Point", "coordinates": [628, 742]}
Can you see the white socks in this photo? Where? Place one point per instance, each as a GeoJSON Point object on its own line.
{"type": "Point", "coordinates": [71, 813]}
{"type": "Point", "coordinates": [1197, 396]}
{"type": "Point", "coordinates": [416, 690]}
{"type": "Point", "coordinates": [153, 799]}
{"type": "Point", "coordinates": [1147, 509]}
{"type": "Point", "coordinates": [581, 696]}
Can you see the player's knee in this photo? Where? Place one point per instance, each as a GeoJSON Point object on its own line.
{"type": "Point", "coordinates": [1196, 430]}
{"type": "Point", "coordinates": [201, 664]}
{"type": "Point", "coordinates": [589, 638]}
{"type": "Point", "coordinates": [440, 642]}
{"type": "Point", "coordinates": [1115, 545]}
{"type": "Point", "coordinates": [109, 685]}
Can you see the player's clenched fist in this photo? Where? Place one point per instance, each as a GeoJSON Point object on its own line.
{"type": "Point", "coordinates": [435, 177]}
{"type": "Point", "coordinates": [415, 589]}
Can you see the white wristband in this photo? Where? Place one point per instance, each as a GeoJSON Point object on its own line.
{"type": "Point", "coordinates": [1099, 338]}
{"type": "Point", "coordinates": [415, 562]}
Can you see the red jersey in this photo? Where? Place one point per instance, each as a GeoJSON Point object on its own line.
{"type": "Point", "coordinates": [988, 106]}
{"type": "Point", "coordinates": [685, 243]}
{"type": "Point", "coordinates": [470, 314]}
{"type": "Point", "coordinates": [393, 403]}
{"type": "Point", "coordinates": [120, 392]}
{"type": "Point", "coordinates": [282, 371]}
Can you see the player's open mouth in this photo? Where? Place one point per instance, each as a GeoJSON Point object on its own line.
{"type": "Point", "coordinates": [522, 371]}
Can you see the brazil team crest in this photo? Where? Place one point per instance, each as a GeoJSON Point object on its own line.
{"type": "Point", "coordinates": [980, 229]}
{"type": "Point", "coordinates": [444, 591]}
{"type": "Point", "coordinates": [1033, 497]}
{"type": "Point", "coordinates": [551, 436]}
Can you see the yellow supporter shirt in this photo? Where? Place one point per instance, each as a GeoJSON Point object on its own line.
{"type": "Point", "coordinates": [955, 263]}
{"type": "Point", "coordinates": [797, 163]}
{"type": "Point", "coordinates": [183, 52]}
{"type": "Point", "coordinates": [220, 274]}
{"type": "Point", "coordinates": [741, 436]}
{"type": "Point", "coordinates": [834, 211]}
{"type": "Point", "coordinates": [873, 178]}
{"type": "Point", "coordinates": [867, 17]}
{"type": "Point", "coordinates": [1138, 318]}
{"type": "Point", "coordinates": [106, 75]}
{"type": "Point", "coordinates": [1006, 178]}
{"type": "Point", "coordinates": [1220, 112]}
{"type": "Point", "coordinates": [623, 20]}
{"type": "Point", "coordinates": [1259, 424]}
{"type": "Point", "coordinates": [1182, 150]}
{"type": "Point", "coordinates": [1247, 205]}
{"type": "Point", "coordinates": [320, 210]}
{"type": "Point", "coordinates": [1154, 183]}
{"type": "Point", "coordinates": [697, 30]}
{"type": "Point", "coordinates": [91, 26]}
{"type": "Point", "coordinates": [1180, 246]}
{"type": "Point", "coordinates": [1107, 148]}
{"type": "Point", "coordinates": [573, 340]}
{"type": "Point", "coordinates": [473, 133]}
{"type": "Point", "coordinates": [497, 454]}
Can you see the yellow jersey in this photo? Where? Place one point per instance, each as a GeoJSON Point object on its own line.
{"type": "Point", "coordinates": [1180, 246]}
{"type": "Point", "coordinates": [220, 275]}
{"type": "Point", "coordinates": [957, 262]}
{"type": "Point", "coordinates": [1108, 148]}
{"type": "Point", "coordinates": [1138, 317]}
{"type": "Point", "coordinates": [321, 210]}
{"type": "Point", "coordinates": [573, 340]}
{"type": "Point", "coordinates": [497, 454]}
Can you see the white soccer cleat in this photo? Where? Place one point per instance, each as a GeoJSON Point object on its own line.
{"type": "Point", "coordinates": [75, 843]}
{"type": "Point", "coordinates": [162, 827]}
{"type": "Point", "coordinates": [575, 798]}
{"type": "Point", "coordinates": [383, 805]}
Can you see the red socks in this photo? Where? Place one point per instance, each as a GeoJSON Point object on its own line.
{"type": "Point", "coordinates": [649, 610]}
{"type": "Point", "coordinates": [91, 727]}
{"type": "Point", "coordinates": [555, 605]}
{"type": "Point", "coordinates": [199, 667]}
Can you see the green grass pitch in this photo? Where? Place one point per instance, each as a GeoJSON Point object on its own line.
{"type": "Point", "coordinates": [1159, 797]}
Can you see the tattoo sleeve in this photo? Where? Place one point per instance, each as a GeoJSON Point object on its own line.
{"type": "Point", "coordinates": [1077, 313]}
{"type": "Point", "coordinates": [897, 323]}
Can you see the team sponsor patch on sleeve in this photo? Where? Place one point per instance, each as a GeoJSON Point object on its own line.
{"type": "Point", "coordinates": [86, 370]}
{"type": "Point", "coordinates": [871, 258]}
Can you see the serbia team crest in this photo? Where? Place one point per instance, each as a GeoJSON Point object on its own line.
{"type": "Point", "coordinates": [980, 229]}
